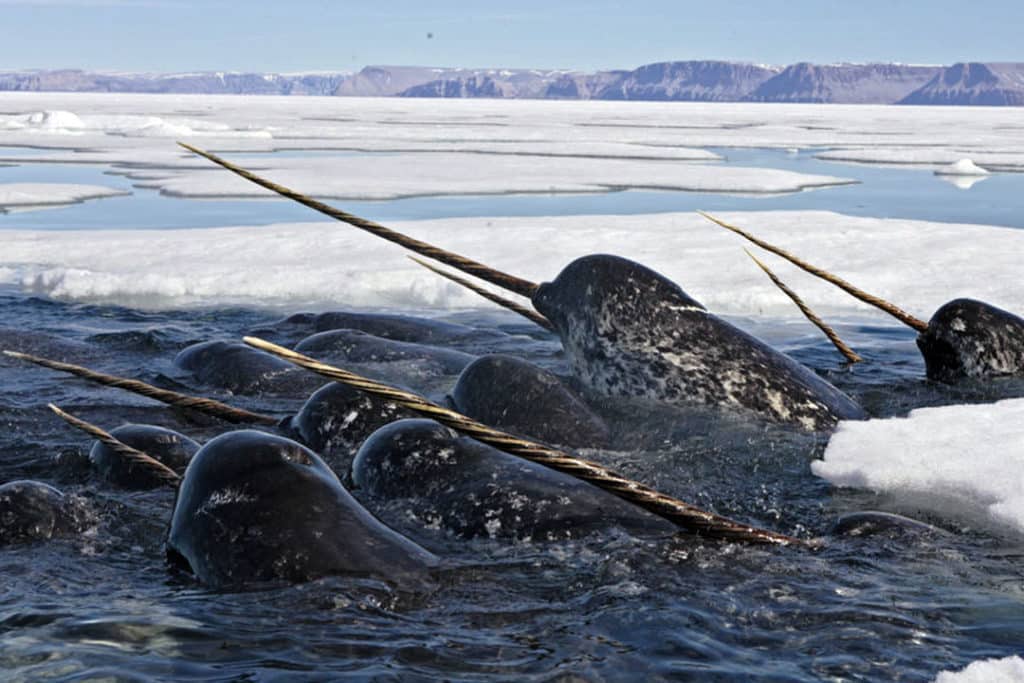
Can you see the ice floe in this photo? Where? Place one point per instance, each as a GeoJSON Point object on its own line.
{"type": "Point", "coordinates": [419, 174]}
{"type": "Point", "coordinates": [964, 167]}
{"type": "Point", "coordinates": [26, 196]}
{"type": "Point", "coordinates": [137, 125]}
{"type": "Point", "coordinates": [1006, 670]}
{"type": "Point", "coordinates": [323, 264]}
{"type": "Point", "coordinates": [959, 461]}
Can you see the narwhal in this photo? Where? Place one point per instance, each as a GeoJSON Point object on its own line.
{"type": "Point", "coordinates": [629, 331]}
{"type": "Point", "coordinates": [964, 339]}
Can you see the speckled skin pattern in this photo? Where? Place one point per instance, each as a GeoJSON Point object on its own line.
{"type": "Point", "coordinates": [471, 490]}
{"type": "Point", "coordinates": [166, 445]}
{"type": "Point", "coordinates": [969, 339]}
{"type": "Point", "coordinates": [629, 331]}
{"type": "Point", "coordinates": [255, 507]}
{"type": "Point", "coordinates": [336, 419]}
{"type": "Point", "coordinates": [517, 396]}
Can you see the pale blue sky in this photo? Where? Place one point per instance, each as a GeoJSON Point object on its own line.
{"type": "Point", "coordinates": [302, 35]}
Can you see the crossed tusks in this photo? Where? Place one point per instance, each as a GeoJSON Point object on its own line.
{"type": "Point", "coordinates": [687, 517]}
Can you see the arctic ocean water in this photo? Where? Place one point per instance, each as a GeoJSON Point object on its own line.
{"type": "Point", "coordinates": [890, 606]}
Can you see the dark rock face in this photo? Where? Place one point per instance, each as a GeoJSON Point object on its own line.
{"type": "Point", "coordinates": [842, 83]}
{"type": "Point", "coordinates": [695, 81]}
{"type": "Point", "coordinates": [472, 490]}
{"type": "Point", "coordinates": [474, 86]}
{"type": "Point", "coordinates": [71, 80]}
{"type": "Point", "coordinates": [973, 84]}
{"type": "Point", "coordinates": [257, 507]}
{"type": "Point", "coordinates": [166, 445]}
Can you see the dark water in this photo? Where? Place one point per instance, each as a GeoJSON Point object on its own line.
{"type": "Point", "coordinates": [103, 605]}
{"type": "Point", "coordinates": [882, 192]}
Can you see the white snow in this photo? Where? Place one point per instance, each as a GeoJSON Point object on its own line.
{"type": "Point", "coordinates": [25, 196]}
{"type": "Point", "coordinates": [329, 264]}
{"type": "Point", "coordinates": [959, 461]}
{"type": "Point", "coordinates": [418, 174]}
{"type": "Point", "coordinates": [122, 125]}
{"type": "Point", "coordinates": [1006, 670]}
{"type": "Point", "coordinates": [964, 167]}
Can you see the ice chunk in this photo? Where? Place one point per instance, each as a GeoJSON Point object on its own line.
{"type": "Point", "coordinates": [964, 167]}
{"type": "Point", "coordinates": [1006, 670]}
{"type": "Point", "coordinates": [963, 460]}
{"type": "Point", "coordinates": [25, 196]}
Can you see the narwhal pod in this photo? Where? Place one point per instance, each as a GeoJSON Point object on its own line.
{"type": "Point", "coordinates": [971, 339]}
{"type": "Point", "coordinates": [33, 511]}
{"type": "Point", "coordinates": [629, 331]}
{"type": "Point", "coordinates": [516, 396]}
{"type": "Point", "coordinates": [354, 346]}
{"type": "Point", "coordinates": [166, 445]}
{"type": "Point", "coordinates": [242, 369]}
{"type": "Point", "coordinates": [255, 507]}
{"type": "Point", "coordinates": [401, 328]}
{"type": "Point", "coordinates": [472, 490]}
{"type": "Point", "coordinates": [336, 419]}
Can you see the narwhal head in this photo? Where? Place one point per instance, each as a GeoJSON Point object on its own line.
{"type": "Point", "coordinates": [969, 339]}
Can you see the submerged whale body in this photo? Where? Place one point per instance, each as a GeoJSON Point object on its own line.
{"type": "Point", "coordinates": [166, 445]}
{"type": "Point", "coordinates": [402, 328]}
{"type": "Point", "coordinates": [472, 490]}
{"type": "Point", "coordinates": [255, 507]}
{"type": "Point", "coordinates": [517, 396]}
{"type": "Point", "coordinates": [629, 331]}
{"type": "Point", "coordinates": [240, 369]}
{"type": "Point", "coordinates": [336, 419]}
{"type": "Point", "coordinates": [971, 339]}
{"type": "Point", "coordinates": [354, 346]}
{"type": "Point", "coordinates": [33, 511]}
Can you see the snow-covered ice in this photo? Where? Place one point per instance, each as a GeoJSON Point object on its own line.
{"type": "Point", "coordinates": [419, 174]}
{"type": "Point", "coordinates": [964, 167]}
{"type": "Point", "coordinates": [959, 461]}
{"type": "Point", "coordinates": [134, 127]}
{"type": "Point", "coordinates": [326, 264]}
{"type": "Point", "coordinates": [27, 196]}
{"type": "Point", "coordinates": [1006, 670]}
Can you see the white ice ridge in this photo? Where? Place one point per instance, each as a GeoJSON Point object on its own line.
{"type": "Point", "coordinates": [964, 167]}
{"type": "Point", "coordinates": [1006, 670]}
{"type": "Point", "coordinates": [959, 461]}
{"type": "Point", "coordinates": [135, 128]}
{"type": "Point", "coordinates": [329, 264]}
{"type": "Point", "coordinates": [418, 174]}
{"type": "Point", "coordinates": [25, 196]}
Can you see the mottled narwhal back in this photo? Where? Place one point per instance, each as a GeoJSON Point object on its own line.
{"type": "Point", "coordinates": [971, 339]}
{"type": "Point", "coordinates": [629, 331]}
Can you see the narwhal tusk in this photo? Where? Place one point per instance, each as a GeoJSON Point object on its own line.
{"type": "Point", "coordinates": [165, 473]}
{"type": "Point", "coordinates": [808, 313]}
{"type": "Point", "coordinates": [683, 515]}
{"type": "Point", "coordinates": [466, 265]}
{"type": "Point", "coordinates": [490, 296]}
{"type": "Point", "coordinates": [207, 406]}
{"type": "Point", "coordinates": [842, 284]}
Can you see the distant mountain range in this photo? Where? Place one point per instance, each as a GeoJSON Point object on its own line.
{"type": "Point", "coordinates": [971, 83]}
